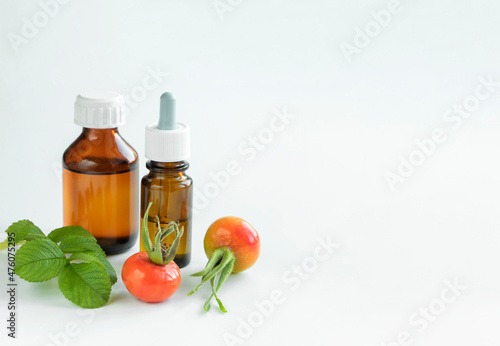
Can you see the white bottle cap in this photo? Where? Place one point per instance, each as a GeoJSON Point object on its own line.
{"type": "Point", "coordinates": [167, 140]}
{"type": "Point", "coordinates": [99, 110]}
{"type": "Point", "coordinates": [167, 145]}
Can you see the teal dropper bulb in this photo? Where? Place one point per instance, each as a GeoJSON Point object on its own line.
{"type": "Point", "coordinates": [167, 112]}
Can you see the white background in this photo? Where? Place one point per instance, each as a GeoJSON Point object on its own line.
{"type": "Point", "coordinates": [323, 176]}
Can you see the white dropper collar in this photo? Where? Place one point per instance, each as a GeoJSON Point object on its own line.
{"type": "Point", "coordinates": [167, 140]}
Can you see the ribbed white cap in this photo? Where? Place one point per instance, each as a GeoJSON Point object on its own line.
{"type": "Point", "coordinates": [99, 110]}
{"type": "Point", "coordinates": [167, 145]}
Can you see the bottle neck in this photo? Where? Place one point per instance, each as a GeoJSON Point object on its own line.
{"type": "Point", "coordinates": [89, 132]}
{"type": "Point", "coordinates": [179, 166]}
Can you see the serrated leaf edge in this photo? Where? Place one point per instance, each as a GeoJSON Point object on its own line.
{"type": "Point", "coordinates": [106, 299]}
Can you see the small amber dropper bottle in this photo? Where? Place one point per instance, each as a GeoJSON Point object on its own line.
{"type": "Point", "coordinates": [167, 185]}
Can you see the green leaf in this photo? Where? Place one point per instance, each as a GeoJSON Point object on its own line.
{"type": "Point", "coordinates": [85, 284]}
{"type": "Point", "coordinates": [73, 244]}
{"type": "Point", "coordinates": [6, 242]}
{"type": "Point", "coordinates": [62, 233]}
{"type": "Point", "coordinates": [89, 256]}
{"type": "Point", "coordinates": [25, 230]}
{"type": "Point", "coordinates": [39, 260]}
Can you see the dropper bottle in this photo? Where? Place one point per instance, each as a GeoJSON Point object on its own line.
{"type": "Point", "coordinates": [167, 185]}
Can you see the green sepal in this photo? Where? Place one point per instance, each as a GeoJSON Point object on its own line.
{"type": "Point", "coordinates": [214, 259]}
{"type": "Point", "coordinates": [214, 294]}
{"type": "Point", "coordinates": [145, 233]}
{"type": "Point", "coordinates": [167, 230]}
{"type": "Point", "coordinates": [226, 271]}
{"type": "Point", "coordinates": [156, 253]}
{"type": "Point", "coordinates": [222, 261]}
{"type": "Point", "coordinates": [172, 250]}
{"type": "Point", "coordinates": [227, 257]}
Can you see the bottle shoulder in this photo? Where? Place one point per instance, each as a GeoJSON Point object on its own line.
{"type": "Point", "coordinates": [100, 154]}
{"type": "Point", "coordinates": [162, 180]}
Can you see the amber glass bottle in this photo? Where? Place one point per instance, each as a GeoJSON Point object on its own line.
{"type": "Point", "coordinates": [167, 186]}
{"type": "Point", "coordinates": [100, 175]}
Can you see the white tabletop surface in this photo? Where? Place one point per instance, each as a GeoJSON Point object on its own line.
{"type": "Point", "coordinates": [412, 262]}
